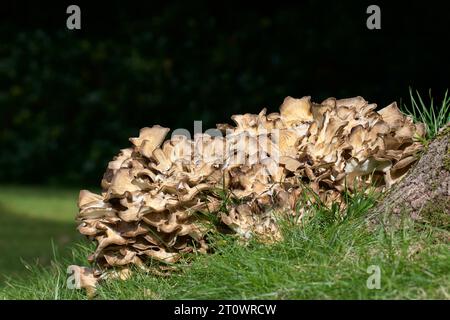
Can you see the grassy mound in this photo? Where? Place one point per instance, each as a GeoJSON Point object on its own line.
{"type": "Point", "coordinates": [326, 258]}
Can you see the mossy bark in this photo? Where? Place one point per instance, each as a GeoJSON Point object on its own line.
{"type": "Point", "coordinates": [424, 194]}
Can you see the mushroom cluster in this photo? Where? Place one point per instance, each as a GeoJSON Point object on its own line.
{"type": "Point", "coordinates": [161, 196]}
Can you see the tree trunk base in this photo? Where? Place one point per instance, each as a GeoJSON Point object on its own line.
{"type": "Point", "coordinates": [424, 194]}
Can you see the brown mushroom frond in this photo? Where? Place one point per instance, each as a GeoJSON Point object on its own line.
{"type": "Point", "coordinates": [154, 191]}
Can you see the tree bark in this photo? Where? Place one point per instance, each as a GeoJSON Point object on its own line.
{"type": "Point", "coordinates": [424, 193]}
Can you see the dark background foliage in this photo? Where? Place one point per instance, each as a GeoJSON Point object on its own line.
{"type": "Point", "coordinates": [69, 100]}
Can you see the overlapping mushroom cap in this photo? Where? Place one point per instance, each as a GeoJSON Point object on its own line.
{"type": "Point", "coordinates": [158, 194]}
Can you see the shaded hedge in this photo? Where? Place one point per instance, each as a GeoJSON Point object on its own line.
{"type": "Point", "coordinates": [70, 99]}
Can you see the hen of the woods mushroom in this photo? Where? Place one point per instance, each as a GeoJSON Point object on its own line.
{"type": "Point", "coordinates": [158, 195]}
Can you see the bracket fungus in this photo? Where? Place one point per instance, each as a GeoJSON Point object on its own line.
{"type": "Point", "coordinates": [158, 193]}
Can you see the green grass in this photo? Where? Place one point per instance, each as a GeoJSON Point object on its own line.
{"type": "Point", "coordinates": [434, 116]}
{"type": "Point", "coordinates": [32, 221]}
{"type": "Point", "coordinates": [326, 258]}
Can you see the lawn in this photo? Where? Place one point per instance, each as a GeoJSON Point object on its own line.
{"type": "Point", "coordinates": [34, 222]}
{"type": "Point", "coordinates": [326, 258]}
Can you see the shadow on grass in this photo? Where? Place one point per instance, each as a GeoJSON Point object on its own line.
{"type": "Point", "coordinates": [31, 240]}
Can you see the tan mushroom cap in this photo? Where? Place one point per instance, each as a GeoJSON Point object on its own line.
{"type": "Point", "coordinates": [294, 111]}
